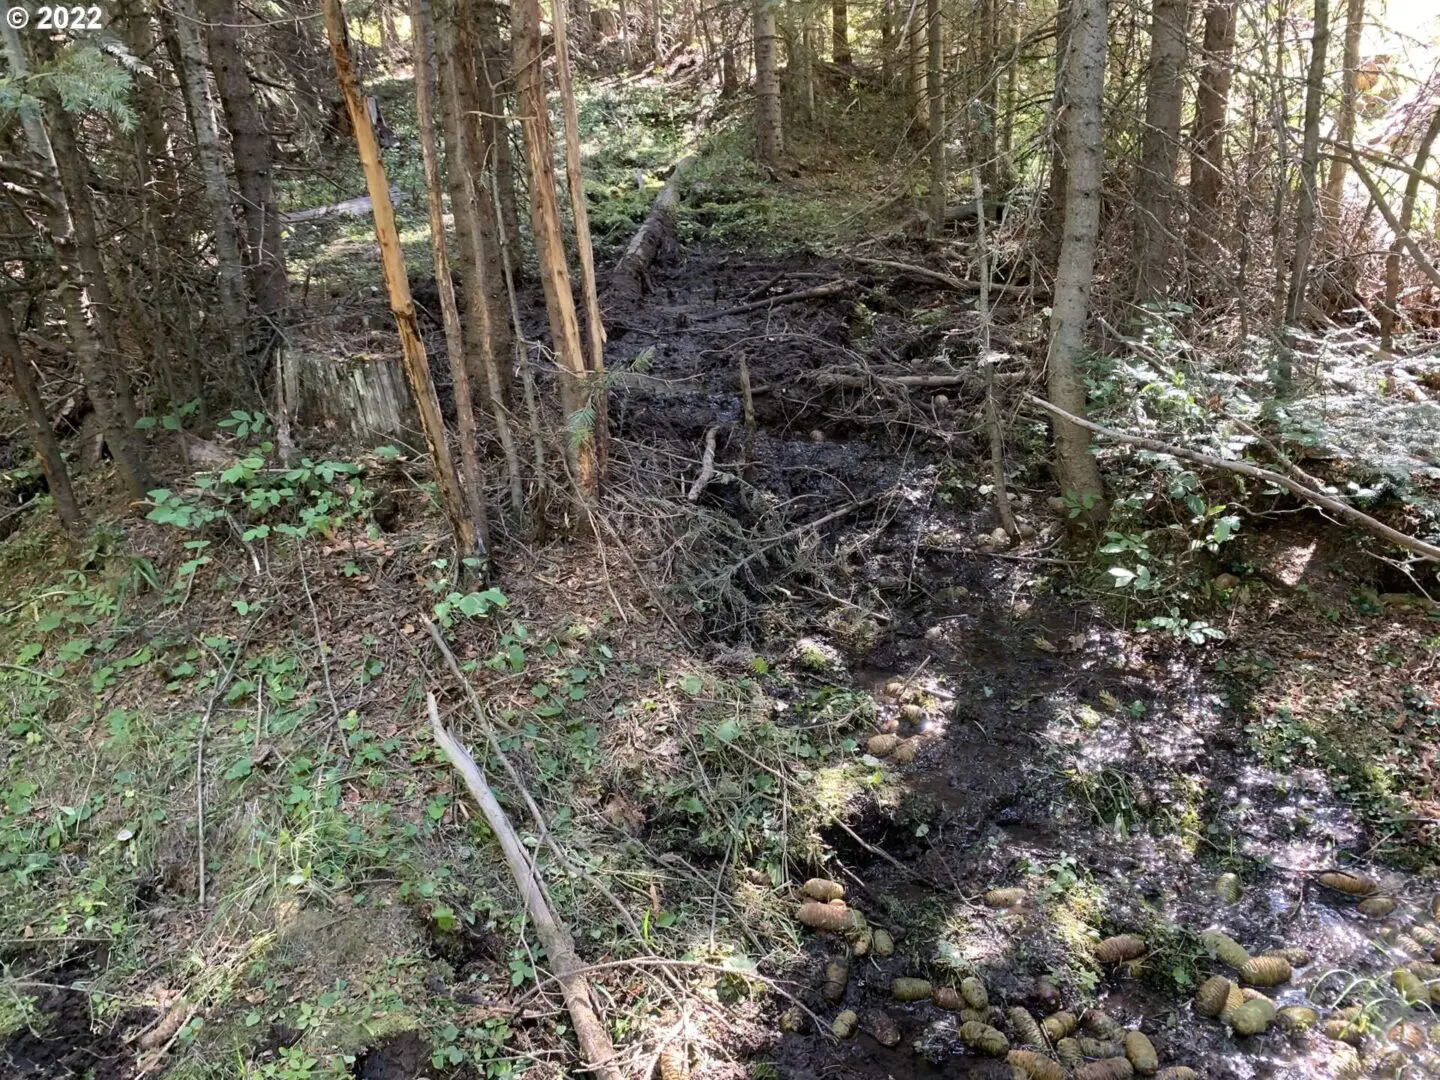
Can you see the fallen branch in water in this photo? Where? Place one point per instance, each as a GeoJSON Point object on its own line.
{"type": "Point", "coordinates": [830, 288]}
{"type": "Point", "coordinates": [1335, 506]}
{"type": "Point", "coordinates": [595, 1046]}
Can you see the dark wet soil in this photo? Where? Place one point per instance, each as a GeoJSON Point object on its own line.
{"type": "Point", "coordinates": [1106, 772]}
{"type": "Point", "coordinates": [65, 1039]}
{"type": "Point", "coordinates": [403, 1057]}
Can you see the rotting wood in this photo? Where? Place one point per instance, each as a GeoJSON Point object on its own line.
{"type": "Point", "coordinates": [595, 1045]}
{"type": "Point", "coordinates": [627, 280]}
{"type": "Point", "coordinates": [830, 288]}
{"type": "Point", "coordinates": [1335, 506]}
{"type": "Point", "coordinates": [468, 540]}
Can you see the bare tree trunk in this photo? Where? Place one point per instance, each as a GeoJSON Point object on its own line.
{"type": "Point", "coordinates": [987, 95]}
{"type": "Point", "coordinates": [801, 68]}
{"type": "Point", "coordinates": [987, 362]}
{"type": "Point", "coordinates": [919, 98]}
{"type": "Point", "coordinates": [935, 84]}
{"type": "Point", "coordinates": [74, 290]}
{"type": "Point", "coordinates": [769, 133]}
{"type": "Point", "coordinates": [449, 310]}
{"type": "Point", "coordinates": [1053, 220]}
{"type": "Point", "coordinates": [47, 447]}
{"type": "Point", "coordinates": [1070, 309]}
{"type": "Point", "coordinates": [158, 159]}
{"type": "Point", "coordinates": [389, 38]}
{"type": "Point", "coordinates": [476, 103]}
{"type": "Point", "coordinates": [1159, 149]}
{"type": "Point", "coordinates": [1307, 205]}
{"type": "Point", "coordinates": [839, 32]}
{"type": "Point", "coordinates": [234, 305]}
{"type": "Point", "coordinates": [471, 533]}
{"type": "Point", "coordinates": [1345, 121]}
{"type": "Point", "coordinates": [1389, 310]}
{"type": "Point", "coordinates": [75, 176]}
{"type": "Point", "coordinates": [250, 143]}
{"type": "Point", "coordinates": [1207, 152]}
{"type": "Point", "coordinates": [887, 43]}
{"type": "Point", "coordinates": [575, 181]}
{"type": "Point", "coordinates": [494, 86]}
{"type": "Point", "coordinates": [550, 245]}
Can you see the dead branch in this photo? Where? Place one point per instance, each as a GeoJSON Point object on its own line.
{"type": "Point", "coordinates": [626, 280]}
{"type": "Point", "coordinates": [1416, 252]}
{"type": "Point", "coordinates": [707, 465]}
{"type": "Point", "coordinates": [830, 288]}
{"type": "Point", "coordinates": [950, 281]}
{"type": "Point", "coordinates": [595, 1045]}
{"type": "Point", "coordinates": [913, 382]}
{"type": "Point", "coordinates": [1335, 506]}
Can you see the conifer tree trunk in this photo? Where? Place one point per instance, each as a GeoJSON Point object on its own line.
{"type": "Point", "coordinates": [74, 290]}
{"type": "Point", "coordinates": [476, 104]}
{"type": "Point", "coordinates": [494, 87]}
{"type": "Point", "coordinates": [839, 32]}
{"type": "Point", "coordinates": [580, 216]}
{"type": "Point", "coordinates": [250, 145]}
{"type": "Point", "coordinates": [234, 304]}
{"type": "Point", "coordinates": [919, 99]}
{"type": "Point", "coordinates": [75, 176]}
{"type": "Point", "coordinates": [769, 134]}
{"type": "Point", "coordinates": [550, 245]}
{"type": "Point", "coordinates": [1345, 120]}
{"type": "Point", "coordinates": [1307, 202]}
{"type": "Point", "coordinates": [47, 447]}
{"type": "Point", "coordinates": [1084, 95]}
{"type": "Point", "coordinates": [1159, 150]}
{"type": "Point", "coordinates": [449, 311]}
{"type": "Point", "coordinates": [487, 338]}
{"type": "Point", "coordinates": [1207, 153]}
{"type": "Point", "coordinates": [467, 523]}
{"type": "Point", "coordinates": [935, 84]}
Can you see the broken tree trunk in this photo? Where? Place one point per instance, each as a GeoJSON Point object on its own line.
{"type": "Point", "coordinates": [1319, 498]}
{"type": "Point", "coordinates": [595, 1045]}
{"type": "Point", "coordinates": [627, 279]}
{"type": "Point", "coordinates": [469, 532]}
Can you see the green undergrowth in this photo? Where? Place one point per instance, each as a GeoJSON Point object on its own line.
{"type": "Point", "coordinates": [258, 633]}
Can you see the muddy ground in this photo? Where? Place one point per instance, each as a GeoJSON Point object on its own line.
{"type": "Point", "coordinates": [1107, 772]}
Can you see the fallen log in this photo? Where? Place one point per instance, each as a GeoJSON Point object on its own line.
{"type": "Point", "coordinates": [830, 288]}
{"type": "Point", "coordinates": [1335, 506]}
{"type": "Point", "coordinates": [595, 1046]}
{"type": "Point", "coordinates": [627, 280]}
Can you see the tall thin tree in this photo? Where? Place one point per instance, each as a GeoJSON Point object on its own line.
{"type": "Point", "coordinates": [466, 522]}
{"type": "Point", "coordinates": [1207, 153]}
{"type": "Point", "coordinates": [769, 131]}
{"type": "Point", "coordinates": [1084, 80]}
{"type": "Point", "coordinates": [1307, 201]}
{"type": "Point", "coordinates": [1159, 150]}
{"type": "Point", "coordinates": [580, 416]}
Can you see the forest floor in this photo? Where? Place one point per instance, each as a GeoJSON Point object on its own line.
{"type": "Point", "coordinates": [231, 849]}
